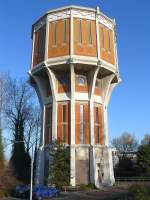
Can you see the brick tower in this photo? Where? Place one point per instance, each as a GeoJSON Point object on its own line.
{"type": "Point", "coordinates": [74, 70]}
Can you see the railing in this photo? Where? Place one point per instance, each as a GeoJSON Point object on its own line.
{"type": "Point", "coordinates": [137, 179]}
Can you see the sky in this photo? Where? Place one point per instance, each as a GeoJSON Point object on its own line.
{"type": "Point", "coordinates": [129, 108]}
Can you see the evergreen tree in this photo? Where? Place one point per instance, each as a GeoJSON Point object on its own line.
{"type": "Point", "coordinates": [20, 159]}
{"type": "Point", "coordinates": [59, 171]}
{"type": "Point", "coordinates": [143, 159]}
{"type": "Point", "coordinates": [1, 150]}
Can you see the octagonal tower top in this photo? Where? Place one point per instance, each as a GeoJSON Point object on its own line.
{"type": "Point", "coordinates": [80, 34]}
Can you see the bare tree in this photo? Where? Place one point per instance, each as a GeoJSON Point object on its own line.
{"type": "Point", "coordinates": [125, 143]}
{"type": "Point", "coordinates": [32, 127]}
{"type": "Point", "coordinates": [146, 139]}
{"type": "Point", "coordinates": [3, 96]}
{"type": "Point", "coordinates": [22, 121]}
{"type": "Point", "coordinates": [3, 81]}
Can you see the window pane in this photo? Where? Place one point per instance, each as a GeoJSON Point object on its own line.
{"type": "Point", "coordinates": [54, 33]}
{"type": "Point", "coordinates": [64, 32]}
{"type": "Point", "coordinates": [89, 32]}
{"type": "Point", "coordinates": [64, 120]}
{"type": "Point", "coordinates": [97, 133]}
{"type": "Point", "coordinates": [97, 120]}
{"type": "Point", "coordinates": [64, 113]}
{"type": "Point", "coordinates": [80, 31]}
{"type": "Point", "coordinates": [81, 125]}
{"type": "Point", "coordinates": [109, 48]}
{"type": "Point", "coordinates": [103, 45]}
{"type": "Point", "coordinates": [64, 133]}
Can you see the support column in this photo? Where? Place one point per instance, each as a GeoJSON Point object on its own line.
{"type": "Point", "coordinates": [53, 83]}
{"type": "Point", "coordinates": [39, 88]}
{"type": "Point", "coordinates": [92, 81]}
{"type": "Point", "coordinates": [107, 90]}
{"type": "Point", "coordinates": [108, 178]}
{"type": "Point", "coordinates": [72, 130]}
{"type": "Point", "coordinates": [108, 167]}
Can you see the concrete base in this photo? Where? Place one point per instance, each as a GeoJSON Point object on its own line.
{"type": "Point", "coordinates": [88, 165]}
{"type": "Point", "coordinates": [103, 170]}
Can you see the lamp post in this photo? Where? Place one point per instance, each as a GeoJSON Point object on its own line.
{"type": "Point", "coordinates": [32, 161]}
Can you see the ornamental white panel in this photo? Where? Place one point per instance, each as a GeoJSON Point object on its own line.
{"type": "Point", "coordinates": [105, 22]}
{"type": "Point", "coordinates": [83, 14]}
{"type": "Point", "coordinates": [59, 15]}
{"type": "Point", "coordinates": [38, 25]}
{"type": "Point", "coordinates": [81, 96]}
{"type": "Point", "coordinates": [63, 96]}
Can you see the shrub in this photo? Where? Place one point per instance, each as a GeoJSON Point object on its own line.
{"type": "Point", "coordinates": [87, 187]}
{"type": "Point", "coordinates": [3, 193]}
{"type": "Point", "coordinates": [140, 192]}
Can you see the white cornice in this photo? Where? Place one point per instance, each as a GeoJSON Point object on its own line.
{"type": "Point", "coordinates": [77, 11]}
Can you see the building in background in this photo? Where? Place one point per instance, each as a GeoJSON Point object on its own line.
{"type": "Point", "coordinates": [74, 70]}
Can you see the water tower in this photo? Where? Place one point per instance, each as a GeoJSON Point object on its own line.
{"type": "Point", "coordinates": [74, 70]}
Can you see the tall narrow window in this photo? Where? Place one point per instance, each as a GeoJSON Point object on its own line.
{"type": "Point", "coordinates": [54, 33]}
{"type": "Point", "coordinates": [64, 122]}
{"type": "Point", "coordinates": [48, 135]}
{"type": "Point", "coordinates": [97, 126]}
{"type": "Point", "coordinates": [80, 31]}
{"type": "Point", "coordinates": [89, 32]}
{"type": "Point", "coordinates": [109, 47]}
{"type": "Point", "coordinates": [64, 31]}
{"type": "Point", "coordinates": [81, 125]}
{"type": "Point", "coordinates": [103, 40]}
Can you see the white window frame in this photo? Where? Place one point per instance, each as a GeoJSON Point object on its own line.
{"type": "Point", "coordinates": [49, 122]}
{"type": "Point", "coordinates": [82, 77]}
{"type": "Point", "coordinates": [89, 32]}
{"type": "Point", "coordinates": [64, 32]}
{"type": "Point", "coordinates": [64, 123]}
{"type": "Point", "coordinates": [79, 30]}
{"type": "Point", "coordinates": [81, 123]}
{"type": "Point", "coordinates": [55, 32]}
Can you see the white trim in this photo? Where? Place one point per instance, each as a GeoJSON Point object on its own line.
{"type": "Point", "coordinates": [37, 67]}
{"type": "Point", "coordinates": [58, 15]}
{"type": "Point", "coordinates": [93, 81]}
{"type": "Point", "coordinates": [43, 126]}
{"type": "Point", "coordinates": [108, 66]}
{"type": "Point", "coordinates": [97, 99]}
{"type": "Point", "coordinates": [71, 34]}
{"type": "Point", "coordinates": [63, 96]}
{"type": "Point", "coordinates": [32, 55]}
{"type": "Point", "coordinates": [39, 24]}
{"type": "Point", "coordinates": [57, 60]}
{"type": "Point", "coordinates": [105, 22]}
{"type": "Point", "coordinates": [81, 96]}
{"type": "Point", "coordinates": [84, 14]}
{"type": "Point", "coordinates": [71, 7]}
{"type": "Point", "coordinates": [97, 38]}
{"type": "Point", "coordinates": [115, 48]}
{"type": "Point", "coordinates": [52, 81]}
{"type": "Point", "coordinates": [46, 40]}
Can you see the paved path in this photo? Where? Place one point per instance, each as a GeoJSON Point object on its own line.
{"type": "Point", "coordinates": [108, 193]}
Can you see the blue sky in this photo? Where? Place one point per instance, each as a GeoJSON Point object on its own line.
{"type": "Point", "coordinates": [129, 108]}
